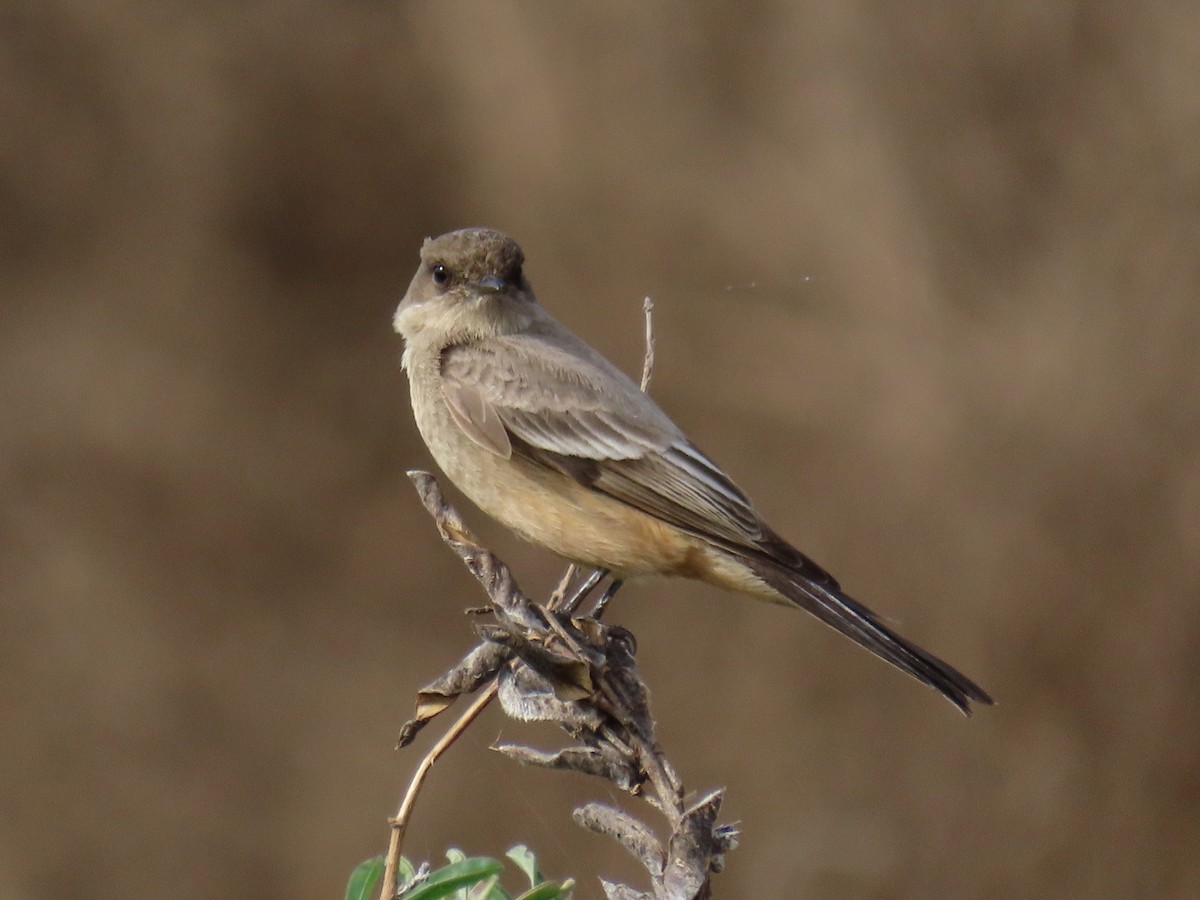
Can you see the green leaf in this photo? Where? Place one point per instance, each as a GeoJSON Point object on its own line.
{"type": "Point", "coordinates": [455, 855]}
{"type": "Point", "coordinates": [490, 890]}
{"type": "Point", "coordinates": [405, 873]}
{"type": "Point", "coordinates": [446, 881]}
{"type": "Point", "coordinates": [527, 863]}
{"type": "Point", "coordinates": [548, 890]}
{"type": "Point", "coordinates": [364, 880]}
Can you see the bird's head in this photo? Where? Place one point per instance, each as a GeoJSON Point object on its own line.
{"type": "Point", "coordinates": [469, 284]}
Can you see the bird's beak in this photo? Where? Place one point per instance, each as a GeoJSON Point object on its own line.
{"type": "Point", "coordinates": [490, 284]}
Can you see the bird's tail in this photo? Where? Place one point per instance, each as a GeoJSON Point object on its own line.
{"type": "Point", "coordinates": [807, 585]}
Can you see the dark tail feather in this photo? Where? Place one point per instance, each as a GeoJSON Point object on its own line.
{"type": "Point", "coordinates": [823, 597]}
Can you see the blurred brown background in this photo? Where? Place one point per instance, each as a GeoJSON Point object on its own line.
{"type": "Point", "coordinates": [928, 283]}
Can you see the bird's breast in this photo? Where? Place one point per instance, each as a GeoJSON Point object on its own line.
{"type": "Point", "coordinates": [541, 504]}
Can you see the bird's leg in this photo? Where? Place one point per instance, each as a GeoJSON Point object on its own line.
{"type": "Point", "coordinates": [572, 603]}
{"type": "Point", "coordinates": [609, 593]}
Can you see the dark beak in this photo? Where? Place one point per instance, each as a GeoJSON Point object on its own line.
{"type": "Point", "coordinates": [491, 284]}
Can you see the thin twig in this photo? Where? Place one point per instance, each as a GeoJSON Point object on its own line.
{"type": "Point", "coordinates": [399, 822]}
{"type": "Point", "coordinates": [564, 584]}
{"type": "Point", "coordinates": [648, 362]}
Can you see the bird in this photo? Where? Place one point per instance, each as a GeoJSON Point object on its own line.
{"type": "Point", "coordinates": [545, 435]}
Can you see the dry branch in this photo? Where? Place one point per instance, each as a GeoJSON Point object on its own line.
{"type": "Point", "coordinates": [580, 674]}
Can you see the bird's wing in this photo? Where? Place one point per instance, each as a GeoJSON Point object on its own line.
{"type": "Point", "coordinates": [571, 410]}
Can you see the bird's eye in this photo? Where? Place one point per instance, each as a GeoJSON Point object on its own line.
{"type": "Point", "coordinates": [441, 275]}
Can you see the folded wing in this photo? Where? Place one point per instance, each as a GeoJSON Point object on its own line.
{"type": "Point", "coordinates": [576, 413]}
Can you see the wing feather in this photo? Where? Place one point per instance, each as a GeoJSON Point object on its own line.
{"type": "Point", "coordinates": [569, 409]}
{"type": "Point", "coordinates": [477, 418]}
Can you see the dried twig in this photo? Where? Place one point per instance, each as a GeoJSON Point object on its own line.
{"type": "Point", "coordinates": [399, 822]}
{"type": "Point", "coordinates": [648, 360]}
{"type": "Point", "coordinates": [559, 594]}
{"type": "Point", "coordinates": [581, 675]}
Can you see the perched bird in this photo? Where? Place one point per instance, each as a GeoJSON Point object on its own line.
{"type": "Point", "coordinates": [548, 437]}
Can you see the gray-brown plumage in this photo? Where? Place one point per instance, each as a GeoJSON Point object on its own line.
{"type": "Point", "coordinates": [551, 439]}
